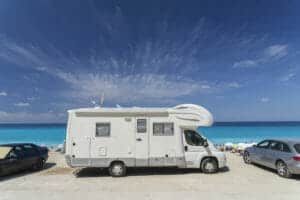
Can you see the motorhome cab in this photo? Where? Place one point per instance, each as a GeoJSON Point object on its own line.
{"type": "Point", "coordinates": [118, 138]}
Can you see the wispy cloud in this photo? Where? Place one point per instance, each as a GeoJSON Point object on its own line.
{"type": "Point", "coordinates": [234, 85]}
{"type": "Point", "coordinates": [288, 77]}
{"type": "Point", "coordinates": [157, 68]}
{"type": "Point", "coordinates": [245, 64]}
{"type": "Point", "coordinates": [264, 100]}
{"type": "Point", "coordinates": [269, 54]}
{"type": "Point", "coordinates": [22, 104]}
{"type": "Point", "coordinates": [120, 88]}
{"type": "Point", "coordinates": [276, 52]}
{"type": "Point", "coordinates": [3, 93]}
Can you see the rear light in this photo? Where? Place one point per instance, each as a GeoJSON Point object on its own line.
{"type": "Point", "coordinates": [296, 158]}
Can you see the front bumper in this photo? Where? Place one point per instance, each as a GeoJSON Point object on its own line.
{"type": "Point", "coordinates": [222, 160]}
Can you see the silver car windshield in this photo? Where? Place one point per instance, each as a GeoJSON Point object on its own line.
{"type": "Point", "coordinates": [297, 147]}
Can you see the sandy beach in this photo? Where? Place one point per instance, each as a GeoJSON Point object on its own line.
{"type": "Point", "coordinates": [239, 181]}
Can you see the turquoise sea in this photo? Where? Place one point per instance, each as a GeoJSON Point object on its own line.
{"type": "Point", "coordinates": [222, 132]}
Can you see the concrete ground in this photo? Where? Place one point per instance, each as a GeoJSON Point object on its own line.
{"type": "Point", "coordinates": [238, 181]}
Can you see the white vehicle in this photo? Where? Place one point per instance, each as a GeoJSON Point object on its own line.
{"type": "Point", "coordinates": [118, 138]}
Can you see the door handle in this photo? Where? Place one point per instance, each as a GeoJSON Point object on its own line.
{"type": "Point", "coordinates": [185, 148]}
{"type": "Point", "coordinates": [139, 139]}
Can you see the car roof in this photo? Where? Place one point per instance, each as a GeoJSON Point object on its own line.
{"type": "Point", "coordinates": [16, 144]}
{"type": "Point", "coordinates": [287, 141]}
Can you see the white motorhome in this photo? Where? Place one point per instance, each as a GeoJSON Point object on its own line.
{"type": "Point", "coordinates": [118, 138]}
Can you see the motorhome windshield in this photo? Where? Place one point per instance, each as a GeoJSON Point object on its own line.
{"type": "Point", "coordinates": [4, 151]}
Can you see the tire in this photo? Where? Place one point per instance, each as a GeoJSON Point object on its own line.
{"type": "Point", "coordinates": [39, 165]}
{"type": "Point", "coordinates": [282, 170]}
{"type": "Point", "coordinates": [117, 169]}
{"type": "Point", "coordinates": [209, 165]}
{"type": "Point", "coordinates": [247, 158]}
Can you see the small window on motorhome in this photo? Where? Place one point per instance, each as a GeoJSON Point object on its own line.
{"type": "Point", "coordinates": [163, 129]}
{"type": "Point", "coordinates": [141, 125]}
{"type": "Point", "coordinates": [102, 129]}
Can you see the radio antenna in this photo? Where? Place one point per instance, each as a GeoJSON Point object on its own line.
{"type": "Point", "coordinates": [102, 99]}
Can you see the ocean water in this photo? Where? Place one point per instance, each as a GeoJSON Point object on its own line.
{"type": "Point", "coordinates": [220, 133]}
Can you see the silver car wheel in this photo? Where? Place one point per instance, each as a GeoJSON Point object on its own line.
{"type": "Point", "coordinates": [283, 170]}
{"type": "Point", "coordinates": [247, 157]}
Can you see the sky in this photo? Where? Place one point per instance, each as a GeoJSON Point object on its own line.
{"type": "Point", "coordinates": [239, 59]}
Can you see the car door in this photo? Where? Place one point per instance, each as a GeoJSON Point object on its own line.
{"type": "Point", "coordinates": [278, 150]}
{"type": "Point", "coordinates": [13, 162]}
{"type": "Point", "coordinates": [272, 153]}
{"type": "Point", "coordinates": [29, 156]}
{"type": "Point", "coordinates": [260, 152]}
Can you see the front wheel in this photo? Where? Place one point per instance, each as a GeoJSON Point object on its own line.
{"type": "Point", "coordinates": [246, 157]}
{"type": "Point", "coordinates": [209, 165]}
{"type": "Point", "coordinates": [282, 170]}
{"type": "Point", "coordinates": [117, 169]}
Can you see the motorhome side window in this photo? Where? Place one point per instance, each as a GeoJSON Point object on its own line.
{"type": "Point", "coordinates": [141, 125]}
{"type": "Point", "coordinates": [163, 129]}
{"type": "Point", "coordinates": [193, 138]}
{"type": "Point", "coordinates": [102, 129]}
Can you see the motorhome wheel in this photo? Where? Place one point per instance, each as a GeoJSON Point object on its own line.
{"type": "Point", "coordinates": [209, 165]}
{"type": "Point", "coordinates": [117, 169]}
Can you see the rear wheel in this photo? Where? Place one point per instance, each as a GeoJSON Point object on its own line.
{"type": "Point", "coordinates": [282, 170]}
{"type": "Point", "coordinates": [246, 157]}
{"type": "Point", "coordinates": [117, 169]}
{"type": "Point", "coordinates": [38, 165]}
{"type": "Point", "coordinates": [209, 165]}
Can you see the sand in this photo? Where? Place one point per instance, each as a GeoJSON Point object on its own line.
{"type": "Point", "coordinates": [239, 181]}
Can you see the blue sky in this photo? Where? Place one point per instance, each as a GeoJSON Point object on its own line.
{"type": "Point", "coordinates": [240, 59]}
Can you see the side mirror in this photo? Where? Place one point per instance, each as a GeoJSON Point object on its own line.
{"type": "Point", "coordinates": [205, 143]}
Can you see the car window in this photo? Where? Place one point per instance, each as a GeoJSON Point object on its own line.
{"type": "Point", "coordinates": [275, 146]}
{"type": "Point", "coordinates": [193, 138]}
{"type": "Point", "coordinates": [263, 144]}
{"type": "Point", "coordinates": [279, 146]}
{"type": "Point", "coordinates": [297, 147]}
{"type": "Point", "coordinates": [286, 148]}
{"type": "Point", "coordinates": [29, 150]}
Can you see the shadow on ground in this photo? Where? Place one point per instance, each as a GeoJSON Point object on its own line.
{"type": "Point", "coordinates": [96, 172]}
{"type": "Point", "coordinates": [295, 177]}
{"type": "Point", "coordinates": [26, 172]}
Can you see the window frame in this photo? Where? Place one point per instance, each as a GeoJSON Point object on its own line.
{"type": "Point", "coordinates": [163, 128]}
{"type": "Point", "coordinates": [137, 127]}
{"type": "Point", "coordinates": [104, 124]}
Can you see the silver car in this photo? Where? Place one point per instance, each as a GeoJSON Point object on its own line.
{"type": "Point", "coordinates": [282, 155]}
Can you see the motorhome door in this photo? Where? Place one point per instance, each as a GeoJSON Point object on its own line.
{"type": "Point", "coordinates": [142, 142]}
{"type": "Point", "coordinates": [193, 147]}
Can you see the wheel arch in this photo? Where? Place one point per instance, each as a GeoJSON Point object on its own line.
{"type": "Point", "coordinates": [211, 157]}
{"type": "Point", "coordinates": [117, 161]}
{"type": "Point", "coordinates": [278, 160]}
